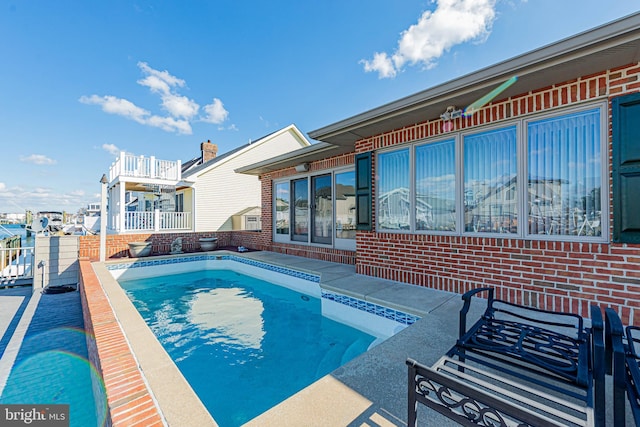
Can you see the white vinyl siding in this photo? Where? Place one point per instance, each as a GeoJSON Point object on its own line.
{"type": "Point", "coordinates": [221, 193]}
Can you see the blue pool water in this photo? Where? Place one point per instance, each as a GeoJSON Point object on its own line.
{"type": "Point", "coordinates": [243, 344]}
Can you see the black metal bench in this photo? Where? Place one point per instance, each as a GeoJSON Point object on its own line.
{"type": "Point", "coordinates": [623, 363]}
{"type": "Point", "coordinates": [529, 366]}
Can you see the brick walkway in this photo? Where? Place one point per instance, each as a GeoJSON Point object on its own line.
{"type": "Point", "coordinates": [51, 365]}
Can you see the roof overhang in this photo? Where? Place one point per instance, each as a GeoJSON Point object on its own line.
{"type": "Point", "coordinates": [606, 47]}
{"type": "Point", "coordinates": [308, 154]}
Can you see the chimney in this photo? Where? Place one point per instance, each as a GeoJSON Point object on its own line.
{"type": "Point", "coordinates": [209, 151]}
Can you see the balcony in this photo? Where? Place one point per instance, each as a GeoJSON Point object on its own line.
{"type": "Point", "coordinates": [156, 221]}
{"type": "Point", "coordinates": [129, 165]}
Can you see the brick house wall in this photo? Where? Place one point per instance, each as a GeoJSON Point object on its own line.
{"type": "Point", "coordinates": [552, 275]}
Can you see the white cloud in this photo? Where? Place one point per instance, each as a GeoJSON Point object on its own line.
{"type": "Point", "coordinates": [37, 159]}
{"type": "Point", "coordinates": [181, 109]}
{"type": "Point", "coordinates": [452, 22]}
{"type": "Point", "coordinates": [180, 106]}
{"type": "Point", "coordinates": [170, 124]}
{"type": "Point", "coordinates": [41, 198]}
{"type": "Point", "coordinates": [215, 112]}
{"type": "Point", "coordinates": [158, 81]}
{"type": "Point", "coordinates": [3, 186]}
{"type": "Point", "coordinates": [121, 107]}
{"type": "Point", "coordinates": [111, 148]}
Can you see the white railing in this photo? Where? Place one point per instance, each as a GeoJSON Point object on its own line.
{"type": "Point", "coordinates": [145, 167]}
{"type": "Point", "coordinates": [157, 221]}
{"type": "Point", "coordinates": [139, 221]}
{"type": "Point", "coordinates": [16, 265]}
{"type": "Point", "coordinates": [175, 220]}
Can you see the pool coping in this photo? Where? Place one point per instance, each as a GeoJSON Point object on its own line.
{"type": "Point", "coordinates": [159, 375]}
{"type": "Point", "coordinates": [163, 378]}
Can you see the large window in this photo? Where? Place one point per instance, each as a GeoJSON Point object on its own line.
{"type": "Point", "coordinates": [435, 206]}
{"type": "Point", "coordinates": [490, 181]}
{"type": "Point", "coordinates": [540, 178]}
{"type": "Point", "coordinates": [394, 199]}
{"type": "Point", "coordinates": [565, 175]}
{"type": "Point", "coordinates": [320, 208]}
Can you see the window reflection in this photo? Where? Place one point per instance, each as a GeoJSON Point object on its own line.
{"type": "Point", "coordinates": [490, 182]}
{"type": "Point", "coordinates": [394, 201]}
{"type": "Point", "coordinates": [564, 181]}
{"type": "Point", "coordinates": [436, 186]}
{"type": "Point", "coordinates": [345, 205]}
{"type": "Point", "coordinates": [282, 208]}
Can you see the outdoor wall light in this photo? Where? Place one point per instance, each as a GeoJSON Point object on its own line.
{"type": "Point", "coordinates": [451, 113]}
{"type": "Point", "coordinates": [302, 167]}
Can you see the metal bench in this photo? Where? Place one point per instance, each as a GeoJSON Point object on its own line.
{"type": "Point", "coordinates": [516, 366]}
{"type": "Point", "coordinates": [623, 363]}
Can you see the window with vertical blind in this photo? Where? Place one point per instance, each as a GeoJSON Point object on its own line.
{"type": "Point", "coordinates": [394, 201]}
{"type": "Point", "coordinates": [564, 162]}
{"type": "Point", "coordinates": [538, 178]}
{"type": "Point", "coordinates": [491, 182]}
{"type": "Point", "coordinates": [435, 182]}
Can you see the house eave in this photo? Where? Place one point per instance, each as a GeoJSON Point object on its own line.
{"type": "Point", "coordinates": [603, 48]}
{"type": "Point", "coordinates": [307, 154]}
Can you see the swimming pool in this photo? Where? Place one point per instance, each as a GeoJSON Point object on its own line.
{"type": "Point", "coordinates": [231, 315]}
{"type": "Point", "coordinates": [243, 344]}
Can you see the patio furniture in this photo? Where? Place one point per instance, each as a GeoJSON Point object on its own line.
{"type": "Point", "coordinates": [623, 363]}
{"type": "Point", "coordinates": [516, 366]}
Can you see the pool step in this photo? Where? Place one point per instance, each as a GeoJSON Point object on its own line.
{"type": "Point", "coordinates": [354, 350]}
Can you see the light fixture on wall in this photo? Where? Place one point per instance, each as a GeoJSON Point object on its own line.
{"type": "Point", "coordinates": [302, 167]}
{"type": "Point", "coordinates": [451, 113]}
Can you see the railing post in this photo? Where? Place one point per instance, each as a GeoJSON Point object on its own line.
{"type": "Point", "coordinates": [156, 220]}
{"type": "Point", "coordinates": [179, 170]}
{"type": "Point", "coordinates": [152, 167]}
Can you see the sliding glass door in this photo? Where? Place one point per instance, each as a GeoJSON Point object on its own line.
{"type": "Point", "coordinates": [322, 209]}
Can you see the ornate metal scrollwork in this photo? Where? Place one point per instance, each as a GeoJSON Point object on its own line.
{"type": "Point", "coordinates": [553, 351]}
{"type": "Point", "coordinates": [475, 411]}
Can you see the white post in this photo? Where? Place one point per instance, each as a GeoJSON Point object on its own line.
{"type": "Point", "coordinates": [122, 209]}
{"type": "Point", "coordinates": [103, 218]}
{"type": "Point", "coordinates": [156, 219]}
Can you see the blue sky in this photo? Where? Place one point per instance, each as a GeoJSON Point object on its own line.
{"type": "Point", "coordinates": [82, 80]}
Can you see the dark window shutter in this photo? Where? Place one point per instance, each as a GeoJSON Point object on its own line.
{"type": "Point", "coordinates": [625, 118]}
{"type": "Point", "coordinates": [363, 191]}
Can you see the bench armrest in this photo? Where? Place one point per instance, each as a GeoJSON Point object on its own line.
{"type": "Point", "coordinates": [466, 297]}
{"type": "Point", "coordinates": [462, 401]}
{"type": "Point", "coordinates": [598, 363]}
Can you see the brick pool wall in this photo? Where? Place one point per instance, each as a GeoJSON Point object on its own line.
{"type": "Point", "coordinates": [129, 401]}
{"type": "Point", "coordinates": [117, 244]}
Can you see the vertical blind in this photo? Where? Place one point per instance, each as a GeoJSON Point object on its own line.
{"type": "Point", "coordinates": [490, 181]}
{"type": "Point", "coordinates": [564, 174]}
{"type": "Point", "coordinates": [435, 166]}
